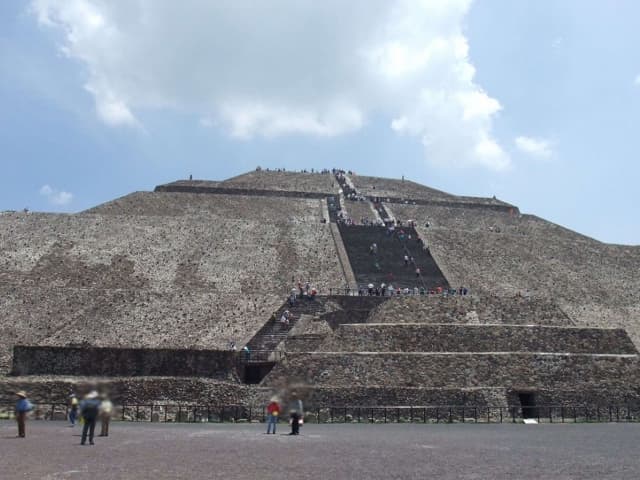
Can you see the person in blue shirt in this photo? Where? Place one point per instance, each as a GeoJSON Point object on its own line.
{"type": "Point", "coordinates": [23, 406]}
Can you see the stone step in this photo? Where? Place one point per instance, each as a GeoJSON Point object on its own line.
{"type": "Point", "coordinates": [388, 266]}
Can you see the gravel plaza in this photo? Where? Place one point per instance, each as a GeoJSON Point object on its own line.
{"type": "Point", "coordinates": [243, 451]}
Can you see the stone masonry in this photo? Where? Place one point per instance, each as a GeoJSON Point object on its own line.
{"type": "Point", "coordinates": [151, 288]}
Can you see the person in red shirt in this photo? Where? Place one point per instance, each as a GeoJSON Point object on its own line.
{"type": "Point", "coordinates": [273, 411]}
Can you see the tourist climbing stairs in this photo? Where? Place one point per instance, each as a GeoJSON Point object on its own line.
{"type": "Point", "coordinates": [267, 340]}
{"type": "Point", "coordinates": [387, 265]}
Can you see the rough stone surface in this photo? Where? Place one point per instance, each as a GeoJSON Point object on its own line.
{"type": "Point", "coordinates": [459, 370]}
{"type": "Point", "coordinates": [476, 338]}
{"type": "Point", "coordinates": [203, 263]}
{"type": "Point", "coordinates": [124, 362]}
{"type": "Point", "coordinates": [389, 187]}
{"type": "Point", "coordinates": [142, 280]}
{"type": "Point", "coordinates": [289, 181]}
{"type": "Point", "coordinates": [483, 309]}
{"type": "Point", "coordinates": [56, 389]}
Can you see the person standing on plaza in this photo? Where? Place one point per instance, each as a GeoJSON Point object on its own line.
{"type": "Point", "coordinates": [104, 412]}
{"type": "Point", "coordinates": [73, 409]}
{"type": "Point", "coordinates": [297, 414]}
{"type": "Point", "coordinates": [89, 410]}
{"type": "Point", "coordinates": [23, 406]}
{"type": "Point", "coordinates": [273, 412]}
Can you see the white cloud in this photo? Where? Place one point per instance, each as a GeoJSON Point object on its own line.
{"type": "Point", "coordinates": [637, 80]}
{"type": "Point", "coordinates": [246, 118]}
{"type": "Point", "coordinates": [46, 190]}
{"type": "Point", "coordinates": [286, 67]}
{"type": "Point", "coordinates": [55, 196]}
{"type": "Point", "coordinates": [536, 147]}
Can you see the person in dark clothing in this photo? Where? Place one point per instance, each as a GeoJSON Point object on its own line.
{"type": "Point", "coordinates": [296, 411]}
{"type": "Point", "coordinates": [89, 408]}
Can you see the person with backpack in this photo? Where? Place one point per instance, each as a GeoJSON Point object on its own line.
{"type": "Point", "coordinates": [73, 409]}
{"type": "Point", "coordinates": [89, 410]}
{"type": "Point", "coordinates": [23, 406]}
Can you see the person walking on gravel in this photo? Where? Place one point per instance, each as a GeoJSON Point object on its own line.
{"type": "Point", "coordinates": [73, 409]}
{"type": "Point", "coordinates": [104, 412]}
{"type": "Point", "coordinates": [23, 406]}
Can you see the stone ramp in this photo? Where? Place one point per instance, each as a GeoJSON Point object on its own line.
{"type": "Point", "coordinates": [477, 338]}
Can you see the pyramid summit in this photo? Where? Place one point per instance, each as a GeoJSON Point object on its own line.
{"type": "Point", "coordinates": [360, 290]}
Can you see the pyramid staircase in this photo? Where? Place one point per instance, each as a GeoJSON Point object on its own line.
{"type": "Point", "coordinates": [265, 342]}
{"type": "Point", "coordinates": [388, 265]}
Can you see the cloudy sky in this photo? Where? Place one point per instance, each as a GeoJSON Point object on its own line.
{"type": "Point", "coordinates": [536, 102]}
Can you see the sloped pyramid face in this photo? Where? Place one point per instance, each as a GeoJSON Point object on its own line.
{"type": "Point", "coordinates": [196, 264]}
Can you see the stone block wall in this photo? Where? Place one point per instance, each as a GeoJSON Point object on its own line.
{"type": "Point", "coordinates": [124, 362]}
{"type": "Point", "coordinates": [476, 338]}
{"type": "Point", "coordinates": [459, 370]}
{"type": "Point", "coordinates": [141, 390]}
{"type": "Point", "coordinates": [383, 396]}
{"type": "Point", "coordinates": [309, 342]}
{"type": "Point", "coordinates": [476, 308]}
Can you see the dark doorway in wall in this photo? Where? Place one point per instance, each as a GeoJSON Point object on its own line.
{"type": "Point", "coordinates": [528, 404]}
{"type": "Point", "coordinates": [255, 372]}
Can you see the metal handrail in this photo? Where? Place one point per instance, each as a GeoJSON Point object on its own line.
{"type": "Point", "coordinates": [168, 412]}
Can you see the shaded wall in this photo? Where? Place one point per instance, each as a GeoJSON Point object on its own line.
{"type": "Point", "coordinates": [123, 362]}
